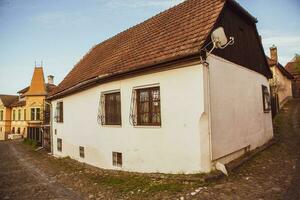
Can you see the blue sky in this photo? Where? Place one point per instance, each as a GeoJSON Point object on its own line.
{"type": "Point", "coordinates": [60, 32]}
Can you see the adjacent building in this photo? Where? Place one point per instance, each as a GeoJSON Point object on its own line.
{"type": "Point", "coordinates": [281, 83]}
{"type": "Point", "coordinates": [6, 115]}
{"type": "Point", "coordinates": [294, 68]}
{"type": "Point", "coordinates": [144, 101]}
{"type": "Point", "coordinates": [25, 114]}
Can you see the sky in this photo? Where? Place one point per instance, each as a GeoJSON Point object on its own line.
{"type": "Point", "coordinates": [61, 32]}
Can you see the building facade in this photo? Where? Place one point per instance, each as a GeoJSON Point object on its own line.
{"type": "Point", "coordinates": [294, 68]}
{"type": "Point", "coordinates": [281, 83]}
{"type": "Point", "coordinates": [151, 104]}
{"type": "Point", "coordinates": [28, 110]}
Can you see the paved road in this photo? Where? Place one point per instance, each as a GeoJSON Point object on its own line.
{"type": "Point", "coordinates": [21, 179]}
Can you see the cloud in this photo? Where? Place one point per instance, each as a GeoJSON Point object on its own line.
{"type": "Point", "coordinates": [143, 3]}
{"type": "Point", "coordinates": [287, 44]}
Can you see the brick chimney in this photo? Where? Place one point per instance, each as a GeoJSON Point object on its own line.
{"type": "Point", "coordinates": [51, 79]}
{"type": "Point", "coordinates": [273, 52]}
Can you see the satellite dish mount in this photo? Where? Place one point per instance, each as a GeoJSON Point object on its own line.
{"type": "Point", "coordinates": [219, 41]}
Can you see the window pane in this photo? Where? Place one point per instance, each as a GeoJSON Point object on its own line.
{"type": "Point", "coordinates": [113, 109]}
{"type": "Point", "coordinates": [148, 106]}
{"type": "Point", "coordinates": [32, 113]}
{"type": "Point", "coordinates": [38, 116]}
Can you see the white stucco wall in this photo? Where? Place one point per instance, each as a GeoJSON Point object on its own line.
{"type": "Point", "coordinates": [237, 114]}
{"type": "Point", "coordinates": [172, 148]}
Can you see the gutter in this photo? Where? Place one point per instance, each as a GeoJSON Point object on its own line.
{"type": "Point", "coordinates": [169, 63]}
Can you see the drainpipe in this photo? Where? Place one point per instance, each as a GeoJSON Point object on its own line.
{"type": "Point", "coordinates": [51, 135]}
{"type": "Point", "coordinates": [205, 126]}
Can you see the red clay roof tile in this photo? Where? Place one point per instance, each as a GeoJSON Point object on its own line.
{"type": "Point", "coordinates": [177, 32]}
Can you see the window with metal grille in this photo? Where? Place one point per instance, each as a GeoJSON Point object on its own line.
{"type": "Point", "coordinates": [59, 115]}
{"type": "Point", "coordinates": [117, 159]}
{"type": "Point", "coordinates": [59, 144]}
{"type": "Point", "coordinates": [148, 106]}
{"type": "Point", "coordinates": [112, 109]}
{"type": "Point", "coordinates": [81, 152]}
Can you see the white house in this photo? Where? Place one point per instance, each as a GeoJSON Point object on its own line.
{"type": "Point", "coordinates": [144, 101]}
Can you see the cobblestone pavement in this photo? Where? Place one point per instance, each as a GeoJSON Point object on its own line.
{"type": "Point", "coordinates": [272, 174]}
{"type": "Point", "coordinates": [21, 179]}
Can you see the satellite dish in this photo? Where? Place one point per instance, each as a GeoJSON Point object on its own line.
{"type": "Point", "coordinates": [219, 41]}
{"type": "Point", "coordinates": [218, 37]}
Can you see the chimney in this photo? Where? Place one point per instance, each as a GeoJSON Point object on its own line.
{"type": "Point", "coordinates": [273, 52]}
{"type": "Point", "coordinates": [51, 79]}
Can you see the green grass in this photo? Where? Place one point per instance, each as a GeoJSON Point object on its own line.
{"type": "Point", "coordinates": [30, 142]}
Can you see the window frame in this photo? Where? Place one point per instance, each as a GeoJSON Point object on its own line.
{"type": "Point", "coordinates": [106, 119]}
{"type": "Point", "coordinates": [59, 112]}
{"type": "Point", "coordinates": [36, 115]}
{"type": "Point", "coordinates": [1, 115]}
{"type": "Point", "coordinates": [266, 96]}
{"type": "Point", "coordinates": [14, 115]}
{"type": "Point", "coordinates": [117, 159]}
{"type": "Point", "coordinates": [59, 144]}
{"type": "Point", "coordinates": [81, 152]}
{"type": "Point", "coordinates": [149, 90]}
{"type": "Point", "coordinates": [19, 114]}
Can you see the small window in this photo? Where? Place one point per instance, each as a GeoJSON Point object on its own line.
{"type": "Point", "coordinates": [14, 115]}
{"type": "Point", "coordinates": [1, 115]}
{"type": "Point", "coordinates": [81, 152]}
{"type": "Point", "coordinates": [59, 115]}
{"type": "Point", "coordinates": [117, 159]}
{"type": "Point", "coordinates": [24, 114]}
{"type": "Point", "coordinates": [59, 144]}
{"type": "Point", "coordinates": [266, 99]}
{"type": "Point", "coordinates": [19, 114]}
{"type": "Point", "coordinates": [148, 106]}
{"type": "Point", "coordinates": [1, 129]}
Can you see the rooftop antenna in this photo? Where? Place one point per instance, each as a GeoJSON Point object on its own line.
{"type": "Point", "coordinates": [35, 63]}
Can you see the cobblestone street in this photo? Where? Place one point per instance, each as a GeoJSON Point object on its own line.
{"type": "Point", "coordinates": [272, 174]}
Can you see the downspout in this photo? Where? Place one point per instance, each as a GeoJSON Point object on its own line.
{"type": "Point", "coordinates": [205, 118]}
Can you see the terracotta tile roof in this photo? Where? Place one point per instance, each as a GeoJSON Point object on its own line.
{"type": "Point", "coordinates": [18, 103]}
{"type": "Point", "coordinates": [293, 67]}
{"type": "Point", "coordinates": [49, 88]}
{"type": "Point", "coordinates": [7, 100]}
{"type": "Point", "coordinates": [37, 86]}
{"type": "Point", "coordinates": [175, 33]}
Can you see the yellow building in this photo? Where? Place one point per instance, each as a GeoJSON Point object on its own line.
{"type": "Point", "coordinates": [25, 114]}
{"type": "Point", "coordinates": [5, 114]}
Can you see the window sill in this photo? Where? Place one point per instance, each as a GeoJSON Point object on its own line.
{"type": "Point", "coordinates": [144, 126]}
{"type": "Point", "coordinates": [111, 126]}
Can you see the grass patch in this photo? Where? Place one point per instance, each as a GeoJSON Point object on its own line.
{"type": "Point", "coordinates": [30, 142]}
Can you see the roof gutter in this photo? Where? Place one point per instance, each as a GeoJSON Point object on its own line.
{"type": "Point", "coordinates": [168, 63]}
